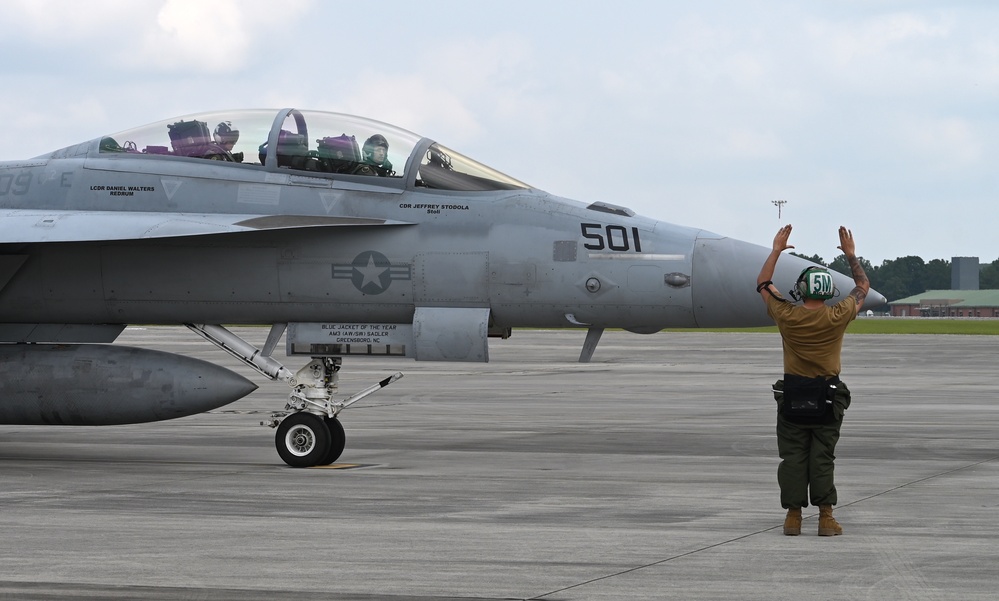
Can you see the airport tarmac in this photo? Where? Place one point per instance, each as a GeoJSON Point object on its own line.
{"type": "Point", "coordinates": [649, 473]}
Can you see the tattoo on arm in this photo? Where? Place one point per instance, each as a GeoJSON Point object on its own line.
{"type": "Point", "coordinates": [860, 277]}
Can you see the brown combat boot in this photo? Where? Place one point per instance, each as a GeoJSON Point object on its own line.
{"type": "Point", "coordinates": [828, 526]}
{"type": "Point", "coordinates": [792, 523]}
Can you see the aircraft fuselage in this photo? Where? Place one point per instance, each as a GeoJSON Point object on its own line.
{"type": "Point", "coordinates": [529, 257]}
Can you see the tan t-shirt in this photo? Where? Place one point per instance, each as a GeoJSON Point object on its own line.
{"type": "Point", "coordinates": [812, 338]}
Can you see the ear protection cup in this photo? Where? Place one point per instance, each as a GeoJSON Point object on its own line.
{"type": "Point", "coordinates": [801, 285]}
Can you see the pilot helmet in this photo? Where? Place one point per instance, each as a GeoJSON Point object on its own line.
{"type": "Point", "coordinates": [225, 133]}
{"type": "Point", "coordinates": [373, 142]}
{"type": "Point", "coordinates": [815, 282]}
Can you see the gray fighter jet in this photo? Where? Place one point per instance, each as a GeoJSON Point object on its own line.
{"type": "Point", "coordinates": [347, 236]}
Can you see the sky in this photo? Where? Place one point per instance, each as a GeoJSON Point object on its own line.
{"type": "Point", "coordinates": [878, 115]}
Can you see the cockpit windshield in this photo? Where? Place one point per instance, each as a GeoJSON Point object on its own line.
{"type": "Point", "coordinates": [313, 141]}
{"type": "Point", "coordinates": [445, 169]}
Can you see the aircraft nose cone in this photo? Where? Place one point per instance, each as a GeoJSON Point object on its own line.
{"type": "Point", "coordinates": [723, 282]}
{"type": "Point", "coordinates": [874, 300]}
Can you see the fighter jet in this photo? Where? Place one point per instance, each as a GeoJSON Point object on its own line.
{"type": "Point", "coordinates": [346, 235]}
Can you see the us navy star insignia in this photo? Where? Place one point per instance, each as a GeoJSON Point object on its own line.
{"type": "Point", "coordinates": [371, 272]}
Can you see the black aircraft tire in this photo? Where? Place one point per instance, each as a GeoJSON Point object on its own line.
{"type": "Point", "coordinates": [338, 439]}
{"type": "Point", "coordinates": [302, 440]}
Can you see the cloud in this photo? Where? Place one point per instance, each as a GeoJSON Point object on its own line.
{"type": "Point", "coordinates": [448, 89]}
{"type": "Point", "coordinates": [746, 143]}
{"type": "Point", "coordinates": [942, 145]}
{"type": "Point", "coordinates": [184, 36]}
{"type": "Point", "coordinates": [208, 36]}
{"type": "Point", "coordinates": [885, 55]}
{"type": "Point", "coordinates": [66, 22]}
{"type": "Point", "coordinates": [850, 43]}
{"type": "Point", "coordinates": [217, 36]}
{"type": "Point", "coordinates": [412, 102]}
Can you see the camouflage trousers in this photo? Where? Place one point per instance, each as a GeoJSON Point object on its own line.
{"type": "Point", "coordinates": [807, 452]}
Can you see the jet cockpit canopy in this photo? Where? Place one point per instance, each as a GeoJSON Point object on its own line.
{"type": "Point", "coordinates": [321, 143]}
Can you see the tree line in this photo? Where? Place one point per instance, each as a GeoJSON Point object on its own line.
{"type": "Point", "coordinates": [908, 276]}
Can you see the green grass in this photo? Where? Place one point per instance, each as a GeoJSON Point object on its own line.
{"type": "Point", "coordinates": [895, 325]}
{"type": "Point", "coordinates": [899, 325]}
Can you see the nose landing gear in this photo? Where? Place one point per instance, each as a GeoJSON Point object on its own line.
{"type": "Point", "coordinates": [308, 431]}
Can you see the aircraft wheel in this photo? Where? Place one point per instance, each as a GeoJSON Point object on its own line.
{"type": "Point", "coordinates": [337, 440]}
{"type": "Point", "coordinates": [302, 439]}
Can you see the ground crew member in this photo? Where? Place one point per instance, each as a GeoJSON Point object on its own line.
{"type": "Point", "coordinates": [811, 398]}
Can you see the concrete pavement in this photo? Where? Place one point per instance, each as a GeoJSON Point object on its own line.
{"type": "Point", "coordinates": [649, 473]}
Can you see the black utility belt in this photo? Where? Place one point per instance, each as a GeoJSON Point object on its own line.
{"type": "Point", "coordinates": [808, 400]}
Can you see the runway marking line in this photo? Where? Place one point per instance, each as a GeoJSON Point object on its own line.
{"type": "Point", "coordinates": [339, 466]}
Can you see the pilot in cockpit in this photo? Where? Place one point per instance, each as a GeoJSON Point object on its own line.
{"type": "Point", "coordinates": [225, 136]}
{"type": "Point", "coordinates": [375, 152]}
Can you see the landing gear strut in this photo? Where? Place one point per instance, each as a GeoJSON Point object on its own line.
{"type": "Point", "coordinates": [308, 430]}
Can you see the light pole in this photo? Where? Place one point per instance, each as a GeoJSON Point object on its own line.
{"type": "Point", "coordinates": [780, 205]}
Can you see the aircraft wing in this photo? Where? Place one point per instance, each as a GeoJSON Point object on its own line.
{"type": "Point", "coordinates": [20, 226]}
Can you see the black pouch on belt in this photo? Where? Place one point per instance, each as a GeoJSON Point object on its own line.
{"type": "Point", "coordinates": [808, 400]}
